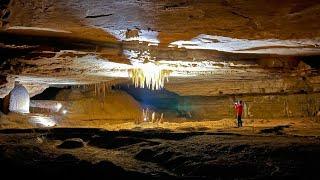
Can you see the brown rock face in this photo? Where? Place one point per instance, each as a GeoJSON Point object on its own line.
{"type": "Point", "coordinates": [86, 106]}
{"type": "Point", "coordinates": [5, 104]}
{"type": "Point", "coordinates": [219, 49]}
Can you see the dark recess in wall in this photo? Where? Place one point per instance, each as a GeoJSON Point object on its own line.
{"type": "Point", "coordinates": [48, 94]}
{"type": "Point", "coordinates": [312, 61]}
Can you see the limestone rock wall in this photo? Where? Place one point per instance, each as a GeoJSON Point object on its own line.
{"type": "Point", "coordinates": [266, 103]}
{"type": "Point", "coordinates": [112, 106]}
{"type": "Point", "coordinates": [207, 87]}
{"type": "Point", "coordinates": [263, 106]}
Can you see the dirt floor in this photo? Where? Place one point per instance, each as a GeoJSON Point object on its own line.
{"type": "Point", "coordinates": [280, 126]}
{"type": "Point", "coordinates": [262, 149]}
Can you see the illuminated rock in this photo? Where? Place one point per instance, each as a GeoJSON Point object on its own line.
{"type": "Point", "coordinates": [131, 33]}
{"type": "Point", "coordinates": [149, 75]}
{"type": "Point", "coordinates": [19, 99]}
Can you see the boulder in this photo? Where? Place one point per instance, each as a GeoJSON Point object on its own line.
{"type": "Point", "coordinates": [71, 143]}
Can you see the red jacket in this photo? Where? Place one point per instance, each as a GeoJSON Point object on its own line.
{"type": "Point", "coordinates": [239, 109]}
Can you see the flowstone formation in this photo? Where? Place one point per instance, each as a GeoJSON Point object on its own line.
{"type": "Point", "coordinates": [19, 99]}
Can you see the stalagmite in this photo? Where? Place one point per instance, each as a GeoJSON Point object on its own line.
{"type": "Point", "coordinates": [19, 99]}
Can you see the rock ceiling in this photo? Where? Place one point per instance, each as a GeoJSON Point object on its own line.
{"type": "Point", "coordinates": [194, 47]}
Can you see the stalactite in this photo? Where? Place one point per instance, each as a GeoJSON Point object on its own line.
{"type": "Point", "coordinates": [150, 76]}
{"type": "Point", "coordinates": [99, 90]}
{"type": "Point", "coordinates": [95, 90]}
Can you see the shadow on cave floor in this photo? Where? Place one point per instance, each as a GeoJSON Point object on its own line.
{"type": "Point", "coordinates": [278, 130]}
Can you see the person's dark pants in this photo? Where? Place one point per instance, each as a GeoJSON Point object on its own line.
{"type": "Point", "coordinates": [239, 120]}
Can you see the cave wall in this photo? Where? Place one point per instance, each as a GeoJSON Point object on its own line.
{"type": "Point", "coordinates": [293, 102]}
{"type": "Point", "coordinates": [126, 105]}
{"type": "Point", "coordinates": [262, 106]}
{"type": "Point", "coordinates": [207, 87]}
{"type": "Point", "coordinates": [85, 105]}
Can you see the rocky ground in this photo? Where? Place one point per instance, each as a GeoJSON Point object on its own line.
{"type": "Point", "coordinates": [159, 153]}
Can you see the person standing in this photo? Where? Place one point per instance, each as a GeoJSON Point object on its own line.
{"type": "Point", "coordinates": [239, 109]}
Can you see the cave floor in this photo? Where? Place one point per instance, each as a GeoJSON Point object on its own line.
{"type": "Point", "coordinates": [273, 148]}
{"type": "Point", "coordinates": [271, 126]}
{"type": "Point", "coordinates": [157, 153]}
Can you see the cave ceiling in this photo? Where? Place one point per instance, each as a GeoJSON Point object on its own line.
{"type": "Point", "coordinates": [198, 47]}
